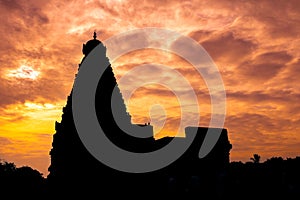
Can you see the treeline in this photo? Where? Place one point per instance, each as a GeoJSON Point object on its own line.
{"type": "Point", "coordinates": [274, 178]}
{"type": "Point", "coordinates": [19, 182]}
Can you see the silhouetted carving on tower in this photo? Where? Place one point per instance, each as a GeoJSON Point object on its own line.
{"type": "Point", "coordinates": [73, 165]}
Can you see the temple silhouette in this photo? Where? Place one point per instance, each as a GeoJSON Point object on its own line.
{"type": "Point", "coordinates": [74, 170]}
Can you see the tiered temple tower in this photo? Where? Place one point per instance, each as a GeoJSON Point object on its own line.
{"type": "Point", "coordinates": [74, 170]}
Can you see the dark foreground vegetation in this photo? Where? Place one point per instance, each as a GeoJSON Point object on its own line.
{"type": "Point", "coordinates": [275, 178]}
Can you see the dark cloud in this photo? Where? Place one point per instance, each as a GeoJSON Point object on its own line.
{"type": "Point", "coordinates": [226, 48]}
{"type": "Point", "coordinates": [262, 72]}
{"type": "Point", "coordinates": [289, 79]}
{"type": "Point", "coordinates": [201, 35]}
{"type": "Point", "coordinates": [279, 17]}
{"type": "Point", "coordinates": [279, 96]}
{"type": "Point", "coordinates": [265, 66]}
{"type": "Point", "coordinates": [22, 17]}
{"type": "Point", "coordinates": [280, 57]}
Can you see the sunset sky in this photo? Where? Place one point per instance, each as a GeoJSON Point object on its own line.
{"type": "Point", "coordinates": [254, 44]}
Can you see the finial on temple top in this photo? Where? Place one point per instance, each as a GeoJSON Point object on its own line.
{"type": "Point", "coordinates": [95, 35]}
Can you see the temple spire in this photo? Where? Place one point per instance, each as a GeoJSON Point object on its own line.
{"type": "Point", "coordinates": [95, 35]}
{"type": "Point", "coordinates": [90, 45]}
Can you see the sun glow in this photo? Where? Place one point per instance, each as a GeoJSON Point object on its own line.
{"type": "Point", "coordinates": [24, 72]}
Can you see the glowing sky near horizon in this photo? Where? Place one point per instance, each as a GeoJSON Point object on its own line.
{"type": "Point", "coordinates": [255, 44]}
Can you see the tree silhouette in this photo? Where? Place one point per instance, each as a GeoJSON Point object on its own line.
{"type": "Point", "coordinates": [272, 179]}
{"type": "Point", "coordinates": [22, 181]}
{"type": "Point", "coordinates": [255, 158]}
{"type": "Point", "coordinates": [7, 168]}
